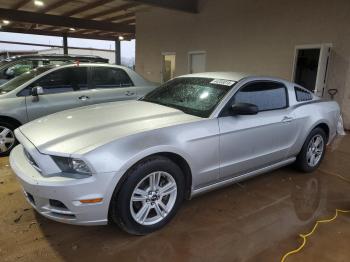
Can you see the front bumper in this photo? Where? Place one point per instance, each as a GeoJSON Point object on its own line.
{"type": "Point", "coordinates": [43, 193]}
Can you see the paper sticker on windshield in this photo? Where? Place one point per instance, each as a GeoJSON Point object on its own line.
{"type": "Point", "coordinates": [223, 82]}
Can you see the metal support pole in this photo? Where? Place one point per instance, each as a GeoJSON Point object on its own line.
{"type": "Point", "coordinates": [65, 45]}
{"type": "Point", "coordinates": [117, 52]}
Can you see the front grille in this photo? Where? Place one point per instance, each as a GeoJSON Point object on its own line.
{"type": "Point", "coordinates": [32, 161]}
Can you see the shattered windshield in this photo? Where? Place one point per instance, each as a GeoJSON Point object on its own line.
{"type": "Point", "coordinates": [192, 95]}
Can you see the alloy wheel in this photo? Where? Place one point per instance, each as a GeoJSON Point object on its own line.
{"type": "Point", "coordinates": [153, 198]}
{"type": "Point", "coordinates": [7, 139]}
{"type": "Point", "coordinates": [315, 150]}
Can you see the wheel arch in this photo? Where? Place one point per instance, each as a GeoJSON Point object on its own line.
{"type": "Point", "coordinates": [175, 157]}
{"type": "Point", "coordinates": [10, 120]}
{"type": "Point", "coordinates": [184, 166]}
{"type": "Point", "coordinates": [325, 128]}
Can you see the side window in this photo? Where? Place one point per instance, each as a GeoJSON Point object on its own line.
{"type": "Point", "coordinates": [302, 95]}
{"type": "Point", "coordinates": [265, 95]}
{"type": "Point", "coordinates": [105, 77]}
{"type": "Point", "coordinates": [64, 80]}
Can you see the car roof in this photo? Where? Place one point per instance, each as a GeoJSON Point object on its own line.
{"type": "Point", "coordinates": [233, 76]}
{"type": "Point", "coordinates": [89, 64]}
{"type": "Point", "coordinates": [13, 58]}
{"type": "Point", "coordinates": [70, 65]}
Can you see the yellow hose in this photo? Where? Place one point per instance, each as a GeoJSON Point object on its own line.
{"type": "Point", "coordinates": [305, 236]}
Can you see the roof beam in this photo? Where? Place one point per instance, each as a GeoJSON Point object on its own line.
{"type": "Point", "coordinates": [57, 46]}
{"type": "Point", "coordinates": [56, 33]}
{"type": "Point", "coordinates": [190, 6]}
{"type": "Point", "coordinates": [87, 7]}
{"type": "Point", "coordinates": [127, 19]}
{"type": "Point", "coordinates": [112, 10]}
{"type": "Point", "coordinates": [20, 4]}
{"type": "Point", "coordinates": [54, 20]}
{"type": "Point", "coordinates": [87, 31]}
{"type": "Point", "coordinates": [53, 6]}
{"type": "Point", "coordinates": [120, 17]}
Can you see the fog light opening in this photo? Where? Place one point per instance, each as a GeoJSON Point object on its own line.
{"type": "Point", "coordinates": [58, 204]}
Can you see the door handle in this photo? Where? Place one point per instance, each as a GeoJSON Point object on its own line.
{"type": "Point", "coordinates": [287, 119]}
{"type": "Point", "coordinates": [129, 93]}
{"type": "Point", "coordinates": [84, 98]}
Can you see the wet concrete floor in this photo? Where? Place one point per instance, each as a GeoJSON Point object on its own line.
{"type": "Point", "coordinates": [257, 220]}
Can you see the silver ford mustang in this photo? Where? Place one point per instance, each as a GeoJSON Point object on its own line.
{"type": "Point", "coordinates": [134, 162]}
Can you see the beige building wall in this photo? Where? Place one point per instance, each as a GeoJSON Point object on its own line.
{"type": "Point", "coordinates": [248, 35]}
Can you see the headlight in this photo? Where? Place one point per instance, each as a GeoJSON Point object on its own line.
{"type": "Point", "coordinates": [72, 165]}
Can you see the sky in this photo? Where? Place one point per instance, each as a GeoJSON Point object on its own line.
{"type": "Point", "coordinates": [127, 47]}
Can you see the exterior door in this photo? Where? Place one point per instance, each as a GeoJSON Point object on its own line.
{"type": "Point", "coordinates": [311, 66]}
{"type": "Point", "coordinates": [63, 89]}
{"type": "Point", "coordinates": [111, 84]}
{"type": "Point", "coordinates": [251, 142]}
{"type": "Point", "coordinates": [168, 66]}
{"type": "Point", "coordinates": [197, 62]}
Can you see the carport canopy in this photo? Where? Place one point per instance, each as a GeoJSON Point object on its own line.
{"type": "Point", "coordinates": [104, 19]}
{"type": "Point", "coordinates": [112, 20]}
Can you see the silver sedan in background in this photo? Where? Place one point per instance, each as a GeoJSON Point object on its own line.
{"type": "Point", "coordinates": [50, 89]}
{"type": "Point", "coordinates": [134, 162]}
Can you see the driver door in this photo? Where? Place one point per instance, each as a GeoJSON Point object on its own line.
{"type": "Point", "coordinates": [250, 142]}
{"type": "Point", "coordinates": [64, 89]}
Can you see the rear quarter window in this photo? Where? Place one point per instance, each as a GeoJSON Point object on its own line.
{"type": "Point", "coordinates": [302, 95]}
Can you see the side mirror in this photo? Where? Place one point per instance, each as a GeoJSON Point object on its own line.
{"type": "Point", "coordinates": [37, 90]}
{"type": "Point", "coordinates": [244, 109]}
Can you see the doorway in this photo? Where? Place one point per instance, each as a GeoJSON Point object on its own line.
{"type": "Point", "coordinates": [311, 66]}
{"type": "Point", "coordinates": [197, 62]}
{"type": "Point", "coordinates": [168, 66]}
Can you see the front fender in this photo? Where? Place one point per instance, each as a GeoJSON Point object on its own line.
{"type": "Point", "coordinates": [153, 151]}
{"type": "Point", "coordinates": [197, 143]}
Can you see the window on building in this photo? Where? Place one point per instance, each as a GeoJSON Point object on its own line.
{"type": "Point", "coordinates": [265, 95]}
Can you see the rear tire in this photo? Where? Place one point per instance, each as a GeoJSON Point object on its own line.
{"type": "Point", "coordinates": [312, 152]}
{"type": "Point", "coordinates": [7, 138]}
{"type": "Point", "coordinates": [142, 206]}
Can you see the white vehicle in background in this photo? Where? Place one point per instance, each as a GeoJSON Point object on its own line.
{"type": "Point", "coordinates": [134, 162]}
{"type": "Point", "coordinates": [50, 89]}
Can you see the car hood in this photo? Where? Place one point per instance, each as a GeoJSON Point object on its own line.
{"type": "Point", "coordinates": [84, 129]}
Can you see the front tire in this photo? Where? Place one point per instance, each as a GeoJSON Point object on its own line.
{"type": "Point", "coordinates": [7, 138]}
{"type": "Point", "coordinates": [149, 197]}
{"type": "Point", "coordinates": [313, 151]}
